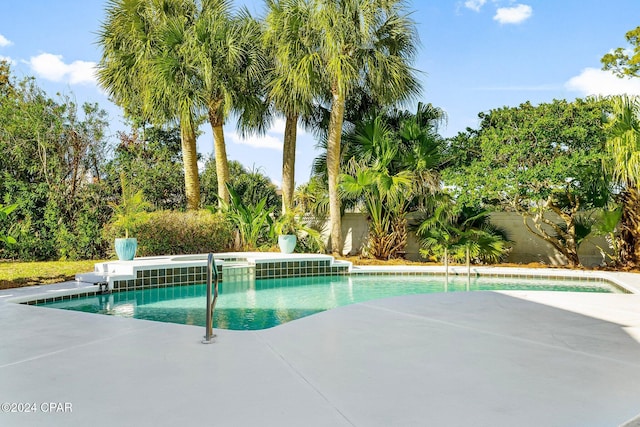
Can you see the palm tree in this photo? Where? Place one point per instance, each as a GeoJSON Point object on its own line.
{"type": "Point", "coordinates": [623, 163]}
{"type": "Point", "coordinates": [385, 192]}
{"type": "Point", "coordinates": [421, 147]}
{"type": "Point", "coordinates": [359, 44]}
{"type": "Point", "coordinates": [393, 167]}
{"type": "Point", "coordinates": [445, 230]}
{"type": "Point", "coordinates": [287, 35]}
{"type": "Point", "coordinates": [146, 68]}
{"type": "Point", "coordinates": [231, 68]}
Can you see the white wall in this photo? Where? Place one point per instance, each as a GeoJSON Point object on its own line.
{"type": "Point", "coordinates": [525, 247]}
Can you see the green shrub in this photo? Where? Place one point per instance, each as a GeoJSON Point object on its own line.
{"type": "Point", "coordinates": [176, 233]}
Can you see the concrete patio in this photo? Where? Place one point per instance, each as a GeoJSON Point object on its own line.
{"type": "Point", "coordinates": [459, 359]}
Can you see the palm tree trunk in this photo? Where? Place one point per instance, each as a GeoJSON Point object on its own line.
{"type": "Point", "coordinates": [629, 247]}
{"type": "Point", "coordinates": [289, 162]}
{"type": "Point", "coordinates": [220, 151]}
{"type": "Point", "coordinates": [333, 170]}
{"type": "Point", "coordinates": [190, 160]}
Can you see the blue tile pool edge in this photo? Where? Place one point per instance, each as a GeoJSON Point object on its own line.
{"type": "Point", "coordinates": [568, 275]}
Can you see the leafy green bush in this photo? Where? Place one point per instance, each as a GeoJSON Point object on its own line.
{"type": "Point", "coordinates": [176, 233]}
{"type": "Point", "coordinates": [52, 157]}
{"type": "Point", "coordinates": [4, 212]}
{"type": "Point", "coordinates": [448, 230]}
{"type": "Point", "coordinates": [252, 222]}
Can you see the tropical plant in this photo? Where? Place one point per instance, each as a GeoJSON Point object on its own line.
{"type": "Point", "coordinates": [147, 68]}
{"type": "Point", "coordinates": [288, 39]}
{"type": "Point", "coordinates": [392, 169]}
{"type": "Point", "coordinates": [358, 45]}
{"type": "Point", "coordinates": [4, 213]}
{"type": "Point", "coordinates": [313, 199]}
{"type": "Point", "coordinates": [450, 232]}
{"type": "Point", "coordinates": [620, 62]}
{"type": "Point", "coordinates": [253, 222]}
{"type": "Point", "coordinates": [131, 210]}
{"type": "Point", "coordinates": [287, 224]}
{"type": "Point", "coordinates": [605, 222]}
{"type": "Point", "coordinates": [250, 184]}
{"type": "Point", "coordinates": [623, 163]}
{"type": "Point", "coordinates": [384, 192]}
{"type": "Point", "coordinates": [231, 68]}
{"type": "Point", "coordinates": [292, 222]}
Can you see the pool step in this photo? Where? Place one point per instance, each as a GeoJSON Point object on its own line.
{"type": "Point", "coordinates": [238, 272]}
{"type": "Point", "coordinates": [181, 270]}
{"type": "Point", "coordinates": [91, 277]}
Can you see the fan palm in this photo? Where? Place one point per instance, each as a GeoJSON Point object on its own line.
{"type": "Point", "coordinates": [146, 67]}
{"type": "Point", "coordinates": [288, 37]}
{"type": "Point", "coordinates": [446, 232]}
{"type": "Point", "coordinates": [385, 192]}
{"type": "Point", "coordinates": [623, 163]}
{"type": "Point", "coordinates": [231, 67]}
{"type": "Point", "coordinates": [359, 44]}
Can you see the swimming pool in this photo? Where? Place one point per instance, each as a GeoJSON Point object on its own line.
{"type": "Point", "coordinates": [261, 304]}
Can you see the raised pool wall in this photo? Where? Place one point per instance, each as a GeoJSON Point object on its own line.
{"type": "Point", "coordinates": [183, 270]}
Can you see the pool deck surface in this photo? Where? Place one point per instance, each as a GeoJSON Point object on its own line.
{"type": "Point", "coordinates": [460, 359]}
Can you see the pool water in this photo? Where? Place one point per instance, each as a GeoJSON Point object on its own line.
{"type": "Point", "coordinates": [262, 304]}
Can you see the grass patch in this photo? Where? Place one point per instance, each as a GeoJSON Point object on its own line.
{"type": "Point", "coordinates": [16, 274]}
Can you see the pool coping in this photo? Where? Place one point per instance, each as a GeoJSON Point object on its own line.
{"type": "Point", "coordinates": [627, 282]}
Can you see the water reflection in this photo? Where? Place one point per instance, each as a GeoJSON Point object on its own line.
{"type": "Point", "coordinates": [262, 304]}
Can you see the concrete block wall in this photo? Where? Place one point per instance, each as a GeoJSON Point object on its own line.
{"type": "Point", "coordinates": [526, 247]}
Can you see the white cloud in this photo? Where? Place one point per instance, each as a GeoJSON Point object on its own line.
{"type": "Point", "coordinates": [474, 4]}
{"type": "Point", "coordinates": [4, 41]}
{"type": "Point", "coordinates": [52, 67]}
{"type": "Point", "coordinates": [201, 165]}
{"type": "Point", "coordinates": [592, 81]}
{"type": "Point", "coordinates": [513, 15]}
{"type": "Point", "coordinates": [265, 141]}
{"type": "Point", "coordinates": [279, 125]}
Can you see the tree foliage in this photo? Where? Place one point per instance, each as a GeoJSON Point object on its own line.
{"type": "Point", "coordinates": [151, 160]}
{"type": "Point", "coordinates": [148, 69]}
{"type": "Point", "coordinates": [391, 169]}
{"type": "Point", "coordinates": [538, 161]}
{"type": "Point", "coordinates": [253, 222]}
{"type": "Point", "coordinates": [4, 213]}
{"type": "Point", "coordinates": [622, 161]}
{"type": "Point", "coordinates": [52, 156]}
{"type": "Point", "coordinates": [625, 62]}
{"type": "Point", "coordinates": [353, 47]}
{"type": "Point", "coordinates": [250, 185]}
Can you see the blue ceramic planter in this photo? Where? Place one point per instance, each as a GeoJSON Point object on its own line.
{"type": "Point", "coordinates": [287, 243]}
{"type": "Point", "coordinates": [126, 248]}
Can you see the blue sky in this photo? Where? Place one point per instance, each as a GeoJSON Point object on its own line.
{"type": "Point", "coordinates": [475, 55]}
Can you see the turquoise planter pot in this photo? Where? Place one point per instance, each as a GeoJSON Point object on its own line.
{"type": "Point", "coordinates": [126, 248]}
{"type": "Point", "coordinates": [287, 243]}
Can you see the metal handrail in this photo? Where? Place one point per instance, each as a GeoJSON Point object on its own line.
{"type": "Point", "coordinates": [212, 282]}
